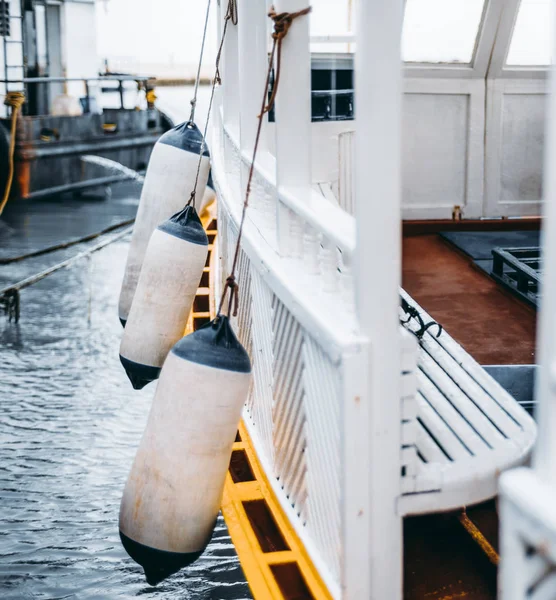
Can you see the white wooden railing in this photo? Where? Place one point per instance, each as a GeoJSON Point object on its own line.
{"type": "Point", "coordinates": [528, 496]}
{"type": "Point", "coordinates": [346, 171]}
{"type": "Point", "coordinates": [322, 394]}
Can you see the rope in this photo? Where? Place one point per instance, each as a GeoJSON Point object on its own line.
{"type": "Point", "coordinates": [282, 24]}
{"type": "Point", "coordinates": [9, 296]}
{"type": "Point", "coordinates": [16, 100]}
{"type": "Point", "coordinates": [194, 99]}
{"type": "Point", "coordinates": [231, 16]}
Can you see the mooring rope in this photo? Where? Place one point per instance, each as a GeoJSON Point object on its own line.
{"type": "Point", "coordinates": [231, 16]}
{"type": "Point", "coordinates": [194, 99]}
{"type": "Point", "coordinates": [15, 100]}
{"type": "Point", "coordinates": [282, 24]}
{"type": "Point", "coordinates": [9, 296]}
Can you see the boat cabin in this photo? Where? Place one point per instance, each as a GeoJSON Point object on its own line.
{"type": "Point", "coordinates": [70, 106]}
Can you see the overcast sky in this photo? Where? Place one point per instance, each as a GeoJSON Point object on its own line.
{"type": "Point", "coordinates": [170, 31]}
{"type": "Point", "coordinates": [165, 30]}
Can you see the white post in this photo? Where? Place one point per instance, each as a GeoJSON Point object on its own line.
{"type": "Point", "coordinates": [544, 458]}
{"type": "Point", "coordinates": [378, 104]}
{"type": "Point", "coordinates": [293, 119]}
{"type": "Point", "coordinates": [230, 87]}
{"type": "Point", "coordinates": [253, 66]}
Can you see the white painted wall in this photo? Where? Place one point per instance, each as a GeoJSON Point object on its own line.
{"type": "Point", "coordinates": [79, 43]}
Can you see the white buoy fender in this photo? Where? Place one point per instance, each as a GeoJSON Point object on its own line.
{"type": "Point", "coordinates": [171, 273]}
{"type": "Point", "coordinates": [208, 197]}
{"type": "Point", "coordinates": [174, 491]}
{"type": "Point", "coordinates": [168, 185]}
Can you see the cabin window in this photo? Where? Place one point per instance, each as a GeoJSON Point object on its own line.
{"type": "Point", "coordinates": [441, 31]}
{"type": "Point", "coordinates": [4, 19]}
{"type": "Point", "coordinates": [530, 45]}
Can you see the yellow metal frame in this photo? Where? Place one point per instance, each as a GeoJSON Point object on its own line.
{"type": "Point", "coordinates": [257, 564]}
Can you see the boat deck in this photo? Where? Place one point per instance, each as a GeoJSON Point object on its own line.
{"type": "Point", "coordinates": [454, 555]}
{"type": "Point", "coordinates": [492, 325]}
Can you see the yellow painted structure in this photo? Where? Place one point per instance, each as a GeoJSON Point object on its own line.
{"type": "Point", "coordinates": [257, 565]}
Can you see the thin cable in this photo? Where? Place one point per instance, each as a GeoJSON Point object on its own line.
{"type": "Point", "coordinates": [282, 24]}
{"type": "Point", "coordinates": [231, 15]}
{"type": "Point", "coordinates": [194, 100]}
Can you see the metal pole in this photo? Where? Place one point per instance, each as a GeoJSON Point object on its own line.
{"type": "Point", "coordinates": [544, 457]}
{"type": "Point", "coordinates": [378, 275]}
{"type": "Point", "coordinates": [87, 96]}
{"type": "Point", "coordinates": [121, 90]}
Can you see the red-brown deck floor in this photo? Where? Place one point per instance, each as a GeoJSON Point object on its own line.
{"type": "Point", "coordinates": [492, 325]}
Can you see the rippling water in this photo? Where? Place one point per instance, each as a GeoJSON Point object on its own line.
{"type": "Point", "coordinates": [69, 427]}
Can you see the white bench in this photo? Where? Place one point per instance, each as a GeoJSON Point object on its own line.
{"type": "Point", "coordinates": [460, 430]}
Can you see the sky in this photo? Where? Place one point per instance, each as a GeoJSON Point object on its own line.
{"type": "Point", "coordinates": [168, 33]}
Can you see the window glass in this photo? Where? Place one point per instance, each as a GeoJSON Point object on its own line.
{"type": "Point", "coordinates": [329, 18]}
{"type": "Point", "coordinates": [531, 38]}
{"type": "Point", "coordinates": [441, 31]}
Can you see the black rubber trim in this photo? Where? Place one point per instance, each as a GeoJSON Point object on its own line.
{"type": "Point", "coordinates": [214, 345]}
{"type": "Point", "coordinates": [187, 226]}
{"type": "Point", "coordinates": [187, 137]}
{"type": "Point", "coordinates": [157, 564]}
{"type": "Point", "coordinates": [139, 375]}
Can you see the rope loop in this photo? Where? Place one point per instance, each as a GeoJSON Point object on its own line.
{"type": "Point", "coordinates": [231, 13]}
{"type": "Point", "coordinates": [15, 99]}
{"type": "Point", "coordinates": [282, 23]}
{"type": "Point", "coordinates": [232, 285]}
{"type": "Point", "coordinates": [191, 200]}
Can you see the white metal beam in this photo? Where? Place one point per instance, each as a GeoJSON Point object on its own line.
{"type": "Point", "coordinates": [544, 458]}
{"type": "Point", "coordinates": [378, 105]}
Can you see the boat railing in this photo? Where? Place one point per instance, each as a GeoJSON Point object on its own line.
{"type": "Point", "coordinates": [342, 418]}
{"type": "Point", "coordinates": [309, 411]}
{"type": "Point", "coordinates": [146, 83]}
{"type": "Point", "coordinates": [528, 495]}
{"type": "Point", "coordinates": [346, 171]}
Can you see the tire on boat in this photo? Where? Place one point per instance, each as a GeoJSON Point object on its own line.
{"type": "Point", "coordinates": [171, 273]}
{"type": "Point", "coordinates": [168, 184]}
{"type": "Point", "coordinates": [173, 493]}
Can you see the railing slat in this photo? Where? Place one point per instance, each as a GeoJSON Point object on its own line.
{"type": "Point", "coordinates": [293, 118]}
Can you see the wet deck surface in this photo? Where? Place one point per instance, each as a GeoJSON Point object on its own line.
{"type": "Point", "coordinates": [70, 424]}
{"type": "Point", "coordinates": [492, 325]}
{"type": "Point", "coordinates": [33, 225]}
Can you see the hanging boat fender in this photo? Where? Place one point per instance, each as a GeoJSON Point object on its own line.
{"type": "Point", "coordinates": [173, 494]}
{"type": "Point", "coordinates": [168, 183]}
{"type": "Point", "coordinates": [171, 273]}
{"type": "Point", "coordinates": [208, 197]}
